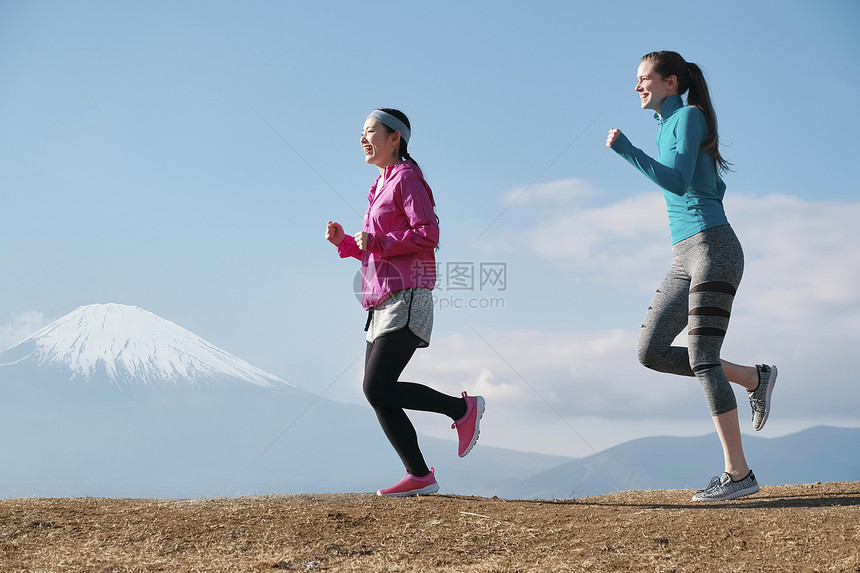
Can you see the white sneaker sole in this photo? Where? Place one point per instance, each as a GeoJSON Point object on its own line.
{"type": "Point", "coordinates": [729, 496]}
{"type": "Point", "coordinates": [770, 386]}
{"type": "Point", "coordinates": [480, 404]}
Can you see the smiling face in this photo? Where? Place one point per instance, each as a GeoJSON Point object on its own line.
{"type": "Point", "coordinates": [380, 147]}
{"type": "Point", "coordinates": [653, 89]}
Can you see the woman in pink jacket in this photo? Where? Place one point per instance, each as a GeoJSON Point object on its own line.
{"type": "Point", "coordinates": [398, 270]}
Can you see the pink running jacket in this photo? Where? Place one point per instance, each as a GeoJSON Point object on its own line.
{"type": "Point", "coordinates": [403, 233]}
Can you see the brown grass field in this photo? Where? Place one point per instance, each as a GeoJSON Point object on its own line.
{"type": "Point", "coordinates": [782, 528]}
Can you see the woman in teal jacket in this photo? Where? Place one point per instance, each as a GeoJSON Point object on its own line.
{"type": "Point", "coordinates": [707, 262]}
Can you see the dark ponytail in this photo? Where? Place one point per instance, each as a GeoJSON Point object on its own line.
{"type": "Point", "coordinates": [403, 152]}
{"type": "Point", "coordinates": [691, 78]}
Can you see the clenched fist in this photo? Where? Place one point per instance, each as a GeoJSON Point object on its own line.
{"type": "Point", "coordinates": [362, 239]}
{"type": "Point", "coordinates": [334, 233]}
{"type": "Point", "coordinates": [613, 135]}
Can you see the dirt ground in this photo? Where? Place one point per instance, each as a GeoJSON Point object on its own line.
{"type": "Point", "coordinates": [782, 528]}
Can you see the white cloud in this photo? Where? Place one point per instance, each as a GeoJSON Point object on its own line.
{"type": "Point", "coordinates": [563, 393]}
{"type": "Point", "coordinates": [801, 247]}
{"type": "Point", "coordinates": [573, 373]}
{"type": "Point", "coordinates": [20, 326]}
{"type": "Point", "coordinates": [802, 257]}
{"type": "Point", "coordinates": [567, 391]}
{"type": "Point", "coordinates": [625, 240]}
{"type": "Point", "coordinates": [559, 191]}
{"type": "Point", "coordinates": [798, 307]}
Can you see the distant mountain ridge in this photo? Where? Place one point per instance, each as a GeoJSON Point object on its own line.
{"type": "Point", "coordinates": [114, 401]}
{"type": "Point", "coordinates": [822, 453]}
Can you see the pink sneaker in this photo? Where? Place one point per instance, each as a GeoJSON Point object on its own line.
{"type": "Point", "coordinates": [467, 426]}
{"type": "Point", "coordinates": [411, 485]}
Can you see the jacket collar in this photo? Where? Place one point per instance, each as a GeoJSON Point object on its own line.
{"type": "Point", "coordinates": [670, 105]}
{"type": "Point", "coordinates": [397, 168]}
{"type": "Point", "coordinates": [391, 169]}
{"type": "Point", "coordinates": [389, 172]}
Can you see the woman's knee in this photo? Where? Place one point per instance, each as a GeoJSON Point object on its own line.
{"type": "Point", "coordinates": [374, 390]}
{"type": "Point", "coordinates": [718, 391]}
{"type": "Point", "coordinates": [370, 390]}
{"type": "Point", "coordinates": [649, 356]}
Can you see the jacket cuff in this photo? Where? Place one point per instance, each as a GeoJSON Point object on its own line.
{"type": "Point", "coordinates": [622, 145]}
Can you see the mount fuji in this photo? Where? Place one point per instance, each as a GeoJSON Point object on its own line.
{"type": "Point", "coordinates": [126, 345]}
{"type": "Point", "coordinates": [112, 400]}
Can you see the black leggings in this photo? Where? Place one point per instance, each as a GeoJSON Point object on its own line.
{"type": "Point", "coordinates": [385, 360]}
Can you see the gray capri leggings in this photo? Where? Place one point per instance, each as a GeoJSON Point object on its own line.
{"type": "Point", "coordinates": [698, 290]}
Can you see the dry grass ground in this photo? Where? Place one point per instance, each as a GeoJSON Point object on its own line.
{"type": "Point", "coordinates": [782, 528]}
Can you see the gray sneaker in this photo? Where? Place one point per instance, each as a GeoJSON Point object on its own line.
{"type": "Point", "coordinates": [760, 397]}
{"type": "Point", "coordinates": [714, 481]}
{"type": "Point", "coordinates": [725, 489]}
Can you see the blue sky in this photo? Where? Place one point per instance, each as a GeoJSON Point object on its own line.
{"type": "Point", "coordinates": [185, 157]}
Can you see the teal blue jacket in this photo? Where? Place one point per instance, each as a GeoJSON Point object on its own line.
{"type": "Point", "coordinates": [693, 189]}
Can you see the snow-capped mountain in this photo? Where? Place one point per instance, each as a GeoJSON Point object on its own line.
{"type": "Point", "coordinates": [112, 400]}
{"type": "Point", "coordinates": [129, 345]}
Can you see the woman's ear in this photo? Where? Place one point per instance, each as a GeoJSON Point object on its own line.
{"type": "Point", "coordinates": [672, 83]}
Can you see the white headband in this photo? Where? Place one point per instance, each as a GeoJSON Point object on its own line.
{"type": "Point", "coordinates": [392, 122]}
